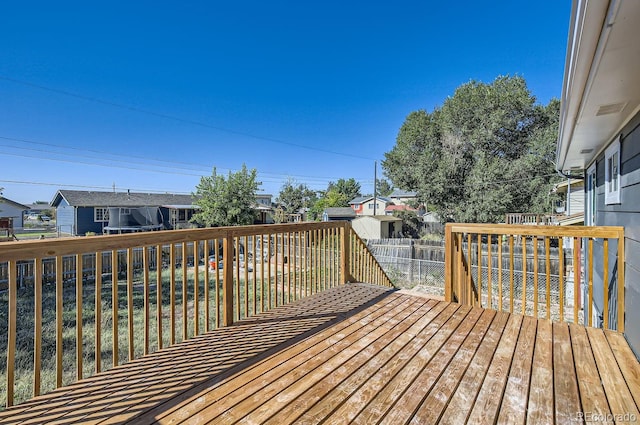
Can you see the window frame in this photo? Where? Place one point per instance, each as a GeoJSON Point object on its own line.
{"type": "Point", "coordinates": [105, 214]}
{"type": "Point", "coordinates": [612, 173]}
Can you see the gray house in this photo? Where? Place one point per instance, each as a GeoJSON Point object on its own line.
{"type": "Point", "coordinates": [338, 214]}
{"type": "Point", "coordinates": [81, 212]}
{"type": "Point", "coordinates": [11, 212]}
{"type": "Point", "coordinates": [599, 136]}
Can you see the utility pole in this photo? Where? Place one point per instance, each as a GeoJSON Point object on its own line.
{"type": "Point", "coordinates": [375, 186]}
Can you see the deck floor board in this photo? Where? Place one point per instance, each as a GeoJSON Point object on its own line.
{"type": "Point", "coordinates": [362, 354]}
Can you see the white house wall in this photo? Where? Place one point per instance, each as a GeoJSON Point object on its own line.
{"type": "Point", "coordinates": [11, 211]}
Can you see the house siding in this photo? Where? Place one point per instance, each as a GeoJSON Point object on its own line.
{"type": "Point", "coordinates": [626, 214]}
{"type": "Point", "coordinates": [65, 218]}
{"type": "Point", "coordinates": [86, 223]}
{"type": "Point", "coordinates": [11, 211]}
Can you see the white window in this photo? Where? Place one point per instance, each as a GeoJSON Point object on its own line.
{"type": "Point", "coordinates": [590, 219]}
{"type": "Point", "coordinates": [612, 173]}
{"type": "Point", "coordinates": [100, 214]}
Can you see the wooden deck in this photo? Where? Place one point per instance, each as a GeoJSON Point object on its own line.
{"type": "Point", "coordinates": [363, 354]}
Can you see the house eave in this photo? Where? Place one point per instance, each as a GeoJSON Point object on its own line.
{"type": "Point", "coordinates": [601, 87]}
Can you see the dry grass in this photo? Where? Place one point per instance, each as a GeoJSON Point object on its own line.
{"type": "Point", "coordinates": [24, 369]}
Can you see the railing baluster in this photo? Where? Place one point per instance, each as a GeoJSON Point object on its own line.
{"type": "Point", "coordinates": [12, 330]}
{"type": "Point", "coordinates": [535, 277]}
{"type": "Point", "coordinates": [500, 273]}
{"type": "Point", "coordinates": [590, 296]}
{"type": "Point", "coordinates": [621, 281]}
{"type": "Point", "coordinates": [145, 283]}
{"type": "Point", "coordinates": [576, 277]}
{"type": "Point", "coordinates": [254, 274]}
{"type": "Point", "coordinates": [511, 275]}
{"type": "Point", "coordinates": [172, 293]}
{"type": "Point", "coordinates": [269, 304]}
{"type": "Point", "coordinates": [263, 259]}
{"type": "Point", "coordinates": [547, 253]}
{"type": "Point", "coordinates": [524, 275]}
{"type": "Point", "coordinates": [290, 294]}
{"type": "Point", "coordinates": [207, 283]}
{"type": "Point", "coordinates": [184, 291]}
{"type": "Point", "coordinates": [605, 274]}
{"type": "Point", "coordinates": [114, 307]}
{"type": "Point", "coordinates": [489, 271]}
{"type": "Point", "coordinates": [561, 278]}
{"type": "Point", "coordinates": [236, 267]}
{"type": "Point", "coordinates": [227, 279]}
{"type": "Point", "coordinates": [130, 301]}
{"type": "Point", "coordinates": [479, 283]}
{"type": "Point", "coordinates": [78, 316]}
{"type": "Point", "coordinates": [37, 320]}
{"type": "Point", "coordinates": [196, 289]}
{"type": "Point", "coordinates": [216, 251]}
{"type": "Point", "coordinates": [276, 281]}
{"type": "Point", "coordinates": [159, 293]}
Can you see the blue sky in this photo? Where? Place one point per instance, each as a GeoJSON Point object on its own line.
{"type": "Point", "coordinates": [149, 96]}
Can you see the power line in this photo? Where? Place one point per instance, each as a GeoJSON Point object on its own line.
{"type": "Point", "coordinates": [178, 119]}
{"type": "Point", "coordinates": [170, 164]}
{"type": "Point", "coordinates": [110, 188]}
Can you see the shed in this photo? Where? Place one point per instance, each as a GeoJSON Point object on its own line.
{"type": "Point", "coordinates": [377, 227]}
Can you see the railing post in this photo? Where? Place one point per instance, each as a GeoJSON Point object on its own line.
{"type": "Point", "coordinates": [621, 283]}
{"type": "Point", "coordinates": [448, 263]}
{"type": "Point", "coordinates": [345, 254]}
{"type": "Point", "coordinates": [227, 279]}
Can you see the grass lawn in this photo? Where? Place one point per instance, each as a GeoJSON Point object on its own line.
{"type": "Point", "coordinates": [25, 312]}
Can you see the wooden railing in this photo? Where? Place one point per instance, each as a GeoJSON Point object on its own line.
{"type": "Point", "coordinates": [538, 270]}
{"type": "Point", "coordinates": [363, 266]}
{"type": "Point", "coordinates": [528, 218]}
{"type": "Point", "coordinates": [91, 303]}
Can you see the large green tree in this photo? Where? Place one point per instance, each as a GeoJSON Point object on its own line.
{"type": "Point", "coordinates": [486, 152]}
{"type": "Point", "coordinates": [227, 201]}
{"type": "Point", "coordinates": [330, 198]}
{"type": "Point", "coordinates": [293, 196]}
{"type": "Point", "coordinates": [338, 194]}
{"type": "Point", "coordinates": [383, 187]}
{"type": "Point", "coordinates": [350, 188]}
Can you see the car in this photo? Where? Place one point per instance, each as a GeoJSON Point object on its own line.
{"type": "Point", "coordinates": [45, 218]}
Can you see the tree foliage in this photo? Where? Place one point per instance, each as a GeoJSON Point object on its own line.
{"type": "Point", "coordinates": [383, 187]}
{"type": "Point", "coordinates": [349, 188]}
{"type": "Point", "coordinates": [294, 196]}
{"type": "Point", "coordinates": [227, 201]}
{"type": "Point", "coordinates": [338, 194]}
{"type": "Point", "coordinates": [411, 223]}
{"type": "Point", "coordinates": [486, 152]}
{"type": "Point", "coordinates": [330, 199]}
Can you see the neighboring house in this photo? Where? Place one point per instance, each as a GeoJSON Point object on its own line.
{"type": "Point", "coordinates": [11, 211]}
{"type": "Point", "coordinates": [377, 227]}
{"type": "Point", "coordinates": [403, 197]}
{"type": "Point", "coordinates": [264, 209]}
{"type": "Point", "coordinates": [338, 214]}
{"type": "Point", "coordinates": [600, 137]}
{"type": "Point", "coordinates": [390, 209]}
{"type": "Point", "coordinates": [81, 212]}
{"type": "Point", "coordinates": [36, 210]}
{"type": "Point", "coordinates": [364, 205]}
{"type": "Point", "coordinates": [574, 202]}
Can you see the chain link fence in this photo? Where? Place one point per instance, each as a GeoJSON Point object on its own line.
{"type": "Point", "coordinates": [510, 290]}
